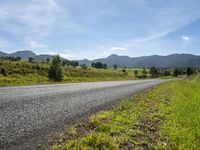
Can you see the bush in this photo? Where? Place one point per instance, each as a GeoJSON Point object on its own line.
{"type": "Point", "coordinates": [189, 71]}
{"type": "Point", "coordinates": [153, 72]}
{"type": "Point", "coordinates": [136, 73]}
{"type": "Point", "coordinates": [3, 72]}
{"type": "Point", "coordinates": [55, 70]}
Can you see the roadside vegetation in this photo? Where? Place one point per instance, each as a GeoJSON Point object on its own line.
{"type": "Point", "coordinates": [14, 71]}
{"type": "Point", "coordinates": [165, 117]}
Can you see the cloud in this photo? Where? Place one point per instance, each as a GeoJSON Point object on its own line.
{"type": "Point", "coordinates": [116, 49]}
{"type": "Point", "coordinates": [64, 55]}
{"type": "Point", "coordinates": [29, 19]}
{"type": "Point", "coordinates": [35, 44]}
{"type": "Point", "coordinates": [185, 38]}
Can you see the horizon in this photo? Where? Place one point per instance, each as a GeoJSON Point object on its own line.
{"type": "Point", "coordinates": [76, 31]}
{"type": "Point", "coordinates": [106, 56]}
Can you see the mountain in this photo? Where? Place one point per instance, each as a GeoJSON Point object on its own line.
{"type": "Point", "coordinates": [26, 55]}
{"type": "Point", "coordinates": [85, 61]}
{"type": "Point", "coordinates": [42, 57]}
{"type": "Point", "coordinates": [174, 60]}
{"type": "Point", "coordinates": [3, 54]}
{"type": "Point", "coordinates": [23, 54]}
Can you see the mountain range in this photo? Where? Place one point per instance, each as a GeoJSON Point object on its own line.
{"type": "Point", "coordinates": [25, 55]}
{"type": "Point", "coordinates": [173, 60]}
{"type": "Point", "coordinates": [169, 61]}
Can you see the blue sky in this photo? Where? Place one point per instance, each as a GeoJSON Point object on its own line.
{"type": "Point", "coordinates": [91, 29]}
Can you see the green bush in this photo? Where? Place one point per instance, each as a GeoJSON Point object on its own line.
{"type": "Point", "coordinates": [55, 70]}
{"type": "Point", "coordinates": [3, 72]}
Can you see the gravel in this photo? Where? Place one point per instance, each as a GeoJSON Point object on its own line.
{"type": "Point", "coordinates": [28, 112]}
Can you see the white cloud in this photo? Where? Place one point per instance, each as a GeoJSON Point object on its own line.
{"type": "Point", "coordinates": [116, 49]}
{"type": "Point", "coordinates": [185, 38]}
{"type": "Point", "coordinates": [32, 19]}
{"type": "Point", "coordinates": [64, 55]}
{"type": "Point", "coordinates": [35, 44]}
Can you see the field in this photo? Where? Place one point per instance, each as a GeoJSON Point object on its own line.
{"type": "Point", "coordinates": [25, 73]}
{"type": "Point", "coordinates": [165, 117]}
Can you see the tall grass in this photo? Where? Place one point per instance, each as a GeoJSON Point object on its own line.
{"type": "Point", "coordinates": [25, 73]}
{"type": "Point", "coordinates": [182, 127]}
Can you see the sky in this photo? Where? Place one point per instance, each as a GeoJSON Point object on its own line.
{"type": "Point", "coordinates": [78, 29]}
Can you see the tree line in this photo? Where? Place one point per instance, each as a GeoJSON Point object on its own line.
{"type": "Point", "coordinates": [56, 64]}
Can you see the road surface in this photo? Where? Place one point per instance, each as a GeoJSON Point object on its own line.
{"type": "Point", "coordinates": [26, 112]}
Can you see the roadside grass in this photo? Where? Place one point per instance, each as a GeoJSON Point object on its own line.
{"type": "Point", "coordinates": [182, 127]}
{"type": "Point", "coordinates": [165, 117]}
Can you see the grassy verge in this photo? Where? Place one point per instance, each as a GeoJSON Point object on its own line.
{"type": "Point", "coordinates": [166, 117]}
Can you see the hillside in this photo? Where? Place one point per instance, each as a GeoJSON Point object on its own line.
{"type": "Point", "coordinates": [25, 55]}
{"type": "Point", "coordinates": [174, 60]}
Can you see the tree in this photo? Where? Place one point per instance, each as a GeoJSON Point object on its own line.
{"type": "Point", "coordinates": [115, 67]}
{"type": "Point", "coordinates": [92, 65]}
{"type": "Point", "coordinates": [166, 73]}
{"type": "Point", "coordinates": [83, 66]}
{"type": "Point", "coordinates": [48, 60]}
{"type": "Point", "coordinates": [69, 63]}
{"type": "Point", "coordinates": [18, 58]}
{"type": "Point", "coordinates": [189, 71]}
{"type": "Point", "coordinates": [55, 70]}
{"type": "Point", "coordinates": [144, 73]}
{"type": "Point", "coordinates": [136, 73]}
{"type": "Point", "coordinates": [176, 72]}
{"type": "Point", "coordinates": [104, 66]}
{"type": "Point", "coordinates": [98, 65]}
{"type": "Point", "coordinates": [31, 59]}
{"type": "Point", "coordinates": [3, 72]}
{"type": "Point", "coordinates": [153, 72]}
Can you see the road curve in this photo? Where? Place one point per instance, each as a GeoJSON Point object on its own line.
{"type": "Point", "coordinates": [28, 111]}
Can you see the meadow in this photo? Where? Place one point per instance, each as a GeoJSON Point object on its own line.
{"type": "Point", "coordinates": [24, 73]}
{"type": "Point", "coordinates": [165, 117]}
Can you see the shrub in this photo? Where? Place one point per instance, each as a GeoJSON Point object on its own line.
{"type": "Point", "coordinates": [189, 71]}
{"type": "Point", "coordinates": [3, 72]}
{"type": "Point", "coordinates": [153, 72]}
{"type": "Point", "coordinates": [136, 73]}
{"type": "Point", "coordinates": [55, 70]}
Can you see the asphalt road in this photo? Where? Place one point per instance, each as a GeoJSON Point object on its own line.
{"type": "Point", "coordinates": [27, 111]}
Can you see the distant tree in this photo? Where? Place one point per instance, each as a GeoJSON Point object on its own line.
{"type": "Point", "coordinates": [176, 72]}
{"type": "Point", "coordinates": [189, 71]}
{"type": "Point", "coordinates": [144, 73]}
{"type": "Point", "coordinates": [31, 59]}
{"type": "Point", "coordinates": [115, 67]}
{"type": "Point", "coordinates": [153, 72]}
{"type": "Point", "coordinates": [98, 65]}
{"type": "Point", "coordinates": [73, 63]}
{"type": "Point", "coordinates": [55, 70]}
{"type": "Point", "coordinates": [48, 60]}
{"type": "Point", "coordinates": [136, 73]}
{"type": "Point", "coordinates": [124, 70]}
{"type": "Point", "coordinates": [83, 66]}
{"type": "Point", "coordinates": [3, 72]}
{"type": "Point", "coordinates": [18, 58]}
{"type": "Point", "coordinates": [166, 73]}
{"type": "Point", "coordinates": [69, 63]}
{"type": "Point", "coordinates": [104, 66]}
{"type": "Point", "coordinates": [92, 65]}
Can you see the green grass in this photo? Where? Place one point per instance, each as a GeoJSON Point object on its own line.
{"type": "Point", "coordinates": [182, 127]}
{"type": "Point", "coordinates": [165, 117]}
{"type": "Point", "coordinates": [25, 73]}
